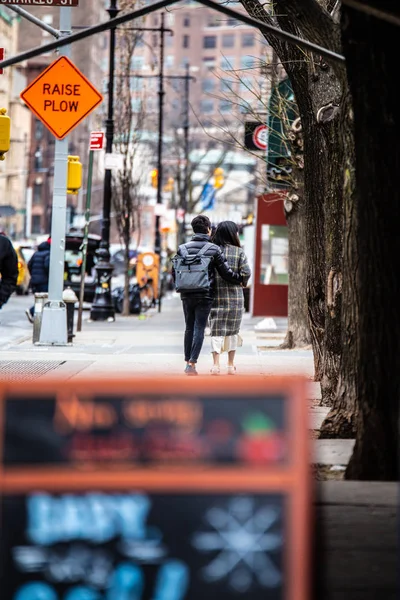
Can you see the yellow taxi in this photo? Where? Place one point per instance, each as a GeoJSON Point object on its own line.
{"type": "Point", "coordinates": [23, 273]}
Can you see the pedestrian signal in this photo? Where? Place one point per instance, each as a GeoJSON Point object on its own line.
{"type": "Point", "coordinates": [74, 181]}
{"type": "Point", "coordinates": [154, 178]}
{"type": "Point", "coordinates": [5, 131]}
{"type": "Point", "coordinates": [218, 178]}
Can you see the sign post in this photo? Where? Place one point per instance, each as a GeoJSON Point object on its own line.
{"type": "Point", "coordinates": [61, 97]}
{"type": "Point", "coordinates": [96, 143]}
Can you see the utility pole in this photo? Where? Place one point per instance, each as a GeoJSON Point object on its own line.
{"type": "Point", "coordinates": [102, 307]}
{"type": "Point", "coordinates": [54, 320]}
{"type": "Point", "coordinates": [157, 245]}
{"type": "Point", "coordinates": [186, 154]}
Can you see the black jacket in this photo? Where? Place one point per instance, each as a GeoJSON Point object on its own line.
{"type": "Point", "coordinates": [39, 265]}
{"type": "Point", "coordinates": [218, 262]}
{"type": "Point", "coordinates": [8, 269]}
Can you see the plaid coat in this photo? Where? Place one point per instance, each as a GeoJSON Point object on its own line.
{"type": "Point", "coordinates": [228, 306]}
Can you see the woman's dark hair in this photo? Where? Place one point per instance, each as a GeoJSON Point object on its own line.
{"type": "Point", "coordinates": [226, 233]}
{"type": "Point", "coordinates": [201, 224]}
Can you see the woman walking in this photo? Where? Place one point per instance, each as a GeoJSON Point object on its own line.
{"type": "Point", "coordinates": [228, 306]}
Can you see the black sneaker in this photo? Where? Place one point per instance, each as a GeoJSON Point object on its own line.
{"type": "Point", "coordinates": [190, 370]}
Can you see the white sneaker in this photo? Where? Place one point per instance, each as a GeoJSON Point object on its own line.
{"type": "Point", "coordinates": [215, 370]}
{"type": "Point", "coordinates": [28, 314]}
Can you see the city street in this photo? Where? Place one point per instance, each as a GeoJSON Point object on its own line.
{"type": "Point", "coordinates": [14, 324]}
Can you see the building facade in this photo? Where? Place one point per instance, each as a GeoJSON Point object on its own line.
{"type": "Point", "coordinates": [90, 56]}
{"type": "Point", "coordinates": [13, 169]}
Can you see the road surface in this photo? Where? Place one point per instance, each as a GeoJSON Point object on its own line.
{"type": "Point", "coordinates": [13, 320]}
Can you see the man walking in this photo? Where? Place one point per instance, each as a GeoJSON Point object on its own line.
{"type": "Point", "coordinates": [39, 266]}
{"type": "Point", "coordinates": [194, 274]}
{"type": "Point", "coordinates": [8, 269]}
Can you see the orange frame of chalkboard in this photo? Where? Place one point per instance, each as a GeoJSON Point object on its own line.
{"type": "Point", "coordinates": [292, 478]}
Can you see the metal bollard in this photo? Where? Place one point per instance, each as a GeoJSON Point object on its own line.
{"type": "Point", "coordinates": [40, 300]}
{"type": "Point", "coordinates": [69, 297]}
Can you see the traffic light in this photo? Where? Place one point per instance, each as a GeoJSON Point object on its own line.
{"type": "Point", "coordinates": [218, 178]}
{"type": "Point", "coordinates": [5, 131]}
{"type": "Point", "coordinates": [74, 180]}
{"type": "Point", "coordinates": [169, 186]}
{"type": "Point", "coordinates": [154, 178]}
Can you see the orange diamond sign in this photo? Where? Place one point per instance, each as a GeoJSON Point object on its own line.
{"type": "Point", "coordinates": [61, 97]}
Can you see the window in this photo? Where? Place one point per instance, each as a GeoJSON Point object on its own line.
{"type": "Point", "coordinates": [247, 62]}
{"type": "Point", "coordinates": [36, 224]}
{"type": "Point", "coordinates": [136, 84]}
{"type": "Point", "coordinates": [274, 255]}
{"type": "Point", "coordinates": [184, 61]}
{"type": "Point", "coordinates": [136, 105]}
{"type": "Point", "coordinates": [207, 106]}
{"type": "Point", "coordinates": [37, 194]}
{"type": "Point", "coordinates": [213, 21]}
{"type": "Point", "coordinates": [228, 40]}
{"type": "Point", "coordinates": [185, 41]}
{"type": "Point", "coordinates": [209, 41]}
{"type": "Point", "coordinates": [137, 62]}
{"type": "Point", "coordinates": [232, 22]}
{"type": "Point", "coordinates": [38, 156]}
{"type": "Point", "coordinates": [228, 63]}
{"type": "Point", "coordinates": [247, 40]}
{"type": "Point", "coordinates": [207, 85]}
{"type": "Point", "coordinates": [39, 129]}
{"type": "Point", "coordinates": [169, 61]}
{"type": "Point", "coordinates": [225, 106]}
{"type": "Point", "coordinates": [209, 62]}
{"type": "Point", "coordinates": [186, 21]}
{"type": "Point", "coordinates": [245, 84]}
{"type": "Point", "coordinates": [244, 107]}
{"type": "Point", "coordinates": [227, 85]}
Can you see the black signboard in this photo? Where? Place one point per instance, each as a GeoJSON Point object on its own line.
{"type": "Point", "coordinates": [169, 489]}
{"type": "Point", "coordinates": [140, 429]}
{"type": "Point", "coordinates": [136, 546]}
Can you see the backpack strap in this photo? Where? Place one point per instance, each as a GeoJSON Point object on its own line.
{"type": "Point", "coordinates": [183, 250]}
{"type": "Point", "coordinates": [204, 249]}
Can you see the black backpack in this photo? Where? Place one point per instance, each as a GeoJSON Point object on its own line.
{"type": "Point", "coordinates": [191, 270]}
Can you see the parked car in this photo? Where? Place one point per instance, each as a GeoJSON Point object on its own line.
{"type": "Point", "coordinates": [23, 272]}
{"type": "Point", "coordinates": [73, 264]}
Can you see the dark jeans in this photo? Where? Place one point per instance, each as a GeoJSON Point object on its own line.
{"type": "Point", "coordinates": [196, 311]}
{"type": "Point", "coordinates": [37, 289]}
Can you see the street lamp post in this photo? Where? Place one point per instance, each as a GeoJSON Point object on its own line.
{"type": "Point", "coordinates": [102, 307]}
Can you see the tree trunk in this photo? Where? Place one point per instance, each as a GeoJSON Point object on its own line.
{"type": "Point", "coordinates": [371, 50]}
{"type": "Point", "coordinates": [298, 333]}
{"type": "Point", "coordinates": [340, 422]}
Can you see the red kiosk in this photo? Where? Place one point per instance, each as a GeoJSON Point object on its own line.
{"type": "Point", "coordinates": [269, 296]}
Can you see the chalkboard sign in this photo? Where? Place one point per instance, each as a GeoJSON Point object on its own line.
{"type": "Point", "coordinates": [134, 429]}
{"type": "Point", "coordinates": [155, 490]}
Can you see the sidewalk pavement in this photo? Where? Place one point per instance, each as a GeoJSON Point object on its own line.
{"type": "Point", "coordinates": [151, 344]}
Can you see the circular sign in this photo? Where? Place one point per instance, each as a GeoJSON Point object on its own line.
{"type": "Point", "coordinates": [260, 137]}
{"type": "Point", "coordinates": [148, 260]}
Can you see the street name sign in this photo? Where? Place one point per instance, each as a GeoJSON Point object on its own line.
{"type": "Point", "coordinates": [96, 141]}
{"type": "Point", "coordinates": [61, 97]}
{"type": "Point", "coordinates": [152, 488]}
{"type": "Point", "coordinates": [44, 3]}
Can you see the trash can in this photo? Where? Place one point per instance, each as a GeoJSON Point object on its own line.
{"type": "Point", "coordinates": [70, 298]}
{"type": "Point", "coordinates": [40, 300]}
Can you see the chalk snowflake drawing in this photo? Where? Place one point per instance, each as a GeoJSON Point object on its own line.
{"type": "Point", "coordinates": [242, 537]}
